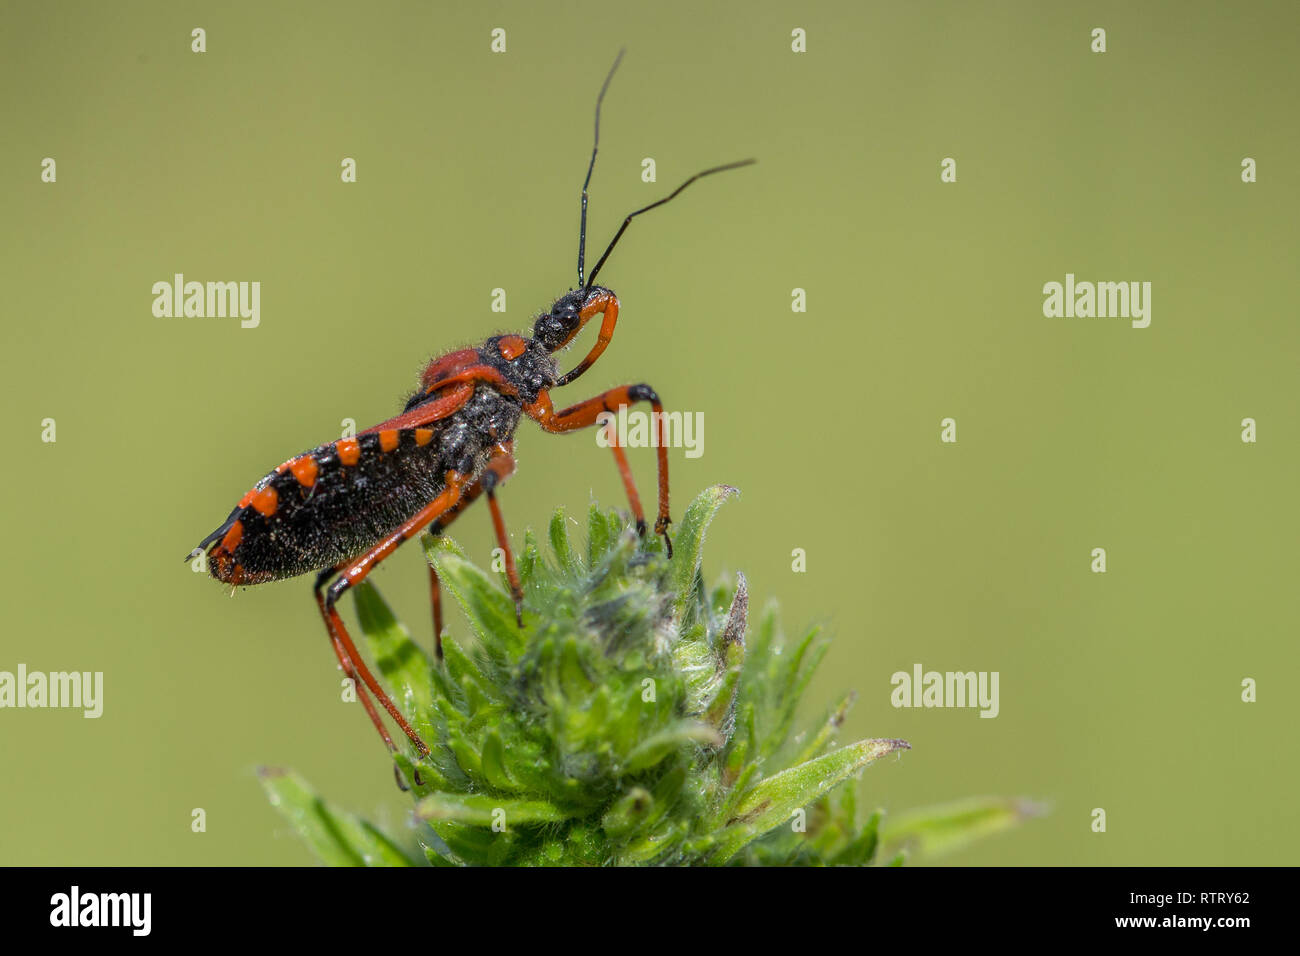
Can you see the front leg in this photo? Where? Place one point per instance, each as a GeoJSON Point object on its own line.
{"type": "Point", "coordinates": [585, 414]}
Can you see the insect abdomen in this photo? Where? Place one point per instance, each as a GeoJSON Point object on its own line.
{"type": "Point", "coordinates": [329, 504]}
{"type": "Point", "coordinates": [338, 500]}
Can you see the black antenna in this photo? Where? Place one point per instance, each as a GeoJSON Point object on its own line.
{"type": "Point", "coordinates": [582, 227]}
{"type": "Point", "coordinates": [623, 228]}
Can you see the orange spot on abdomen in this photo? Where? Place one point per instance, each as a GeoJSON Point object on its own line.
{"type": "Point", "coordinates": [266, 501]}
{"type": "Point", "coordinates": [349, 451]}
{"type": "Point", "coordinates": [233, 536]}
{"type": "Point", "coordinates": [305, 470]}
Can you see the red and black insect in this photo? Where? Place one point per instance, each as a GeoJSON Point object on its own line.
{"type": "Point", "coordinates": [345, 506]}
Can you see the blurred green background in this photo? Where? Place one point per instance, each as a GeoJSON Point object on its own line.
{"type": "Point", "coordinates": [1119, 691]}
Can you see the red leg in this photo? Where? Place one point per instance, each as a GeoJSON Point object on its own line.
{"type": "Point", "coordinates": [435, 591]}
{"type": "Point", "coordinates": [585, 414]}
{"type": "Point", "coordinates": [490, 480]}
{"type": "Point", "coordinates": [500, 467]}
{"type": "Point", "coordinates": [346, 662]}
{"type": "Point", "coordinates": [350, 670]}
{"type": "Point", "coordinates": [357, 570]}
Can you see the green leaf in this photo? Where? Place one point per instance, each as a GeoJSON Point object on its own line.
{"type": "Point", "coordinates": [629, 813]}
{"type": "Point", "coordinates": [933, 831]}
{"type": "Point", "coordinates": [688, 546]}
{"type": "Point", "coordinates": [436, 858]}
{"type": "Point", "coordinates": [862, 849]}
{"type": "Point", "coordinates": [482, 810]}
{"type": "Point", "coordinates": [494, 763]}
{"type": "Point", "coordinates": [337, 838]}
{"type": "Point", "coordinates": [491, 611]}
{"type": "Point", "coordinates": [532, 572]}
{"type": "Point", "coordinates": [789, 682]}
{"type": "Point", "coordinates": [772, 802]}
{"type": "Point", "coordinates": [601, 532]}
{"type": "Point", "coordinates": [406, 668]}
{"type": "Point", "coordinates": [559, 532]}
{"type": "Point", "coordinates": [828, 728]}
{"type": "Point", "coordinates": [684, 734]}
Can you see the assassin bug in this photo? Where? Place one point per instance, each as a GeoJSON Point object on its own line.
{"type": "Point", "coordinates": [343, 507]}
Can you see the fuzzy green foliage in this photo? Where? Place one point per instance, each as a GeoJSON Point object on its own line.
{"type": "Point", "coordinates": [636, 718]}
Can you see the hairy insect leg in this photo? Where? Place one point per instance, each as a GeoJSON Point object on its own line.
{"type": "Point", "coordinates": [585, 414]}
{"type": "Point", "coordinates": [500, 467]}
{"type": "Point", "coordinates": [350, 670]}
{"type": "Point", "coordinates": [355, 571]}
{"type": "Point", "coordinates": [435, 590]}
